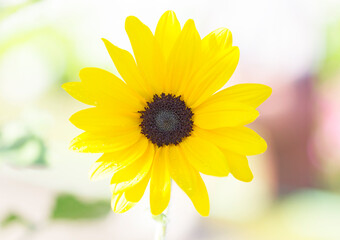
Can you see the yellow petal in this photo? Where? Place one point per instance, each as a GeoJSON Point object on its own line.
{"type": "Point", "coordinates": [213, 75]}
{"type": "Point", "coordinates": [239, 166]}
{"type": "Point", "coordinates": [219, 40]}
{"type": "Point", "coordinates": [127, 68]}
{"type": "Point", "coordinates": [109, 89]}
{"type": "Point", "coordinates": [160, 184]}
{"type": "Point", "coordinates": [189, 180]}
{"type": "Point", "coordinates": [134, 173]}
{"type": "Point", "coordinates": [183, 60]}
{"type": "Point", "coordinates": [224, 114]}
{"type": "Point", "coordinates": [92, 96]}
{"type": "Point", "coordinates": [110, 163]}
{"type": "Point", "coordinates": [79, 91]}
{"type": "Point", "coordinates": [119, 204]}
{"type": "Point", "coordinates": [167, 31]}
{"type": "Point", "coordinates": [99, 143]}
{"type": "Point", "coordinates": [147, 52]}
{"type": "Point", "coordinates": [103, 119]}
{"type": "Point", "coordinates": [204, 156]}
{"type": "Point", "coordinates": [248, 93]}
{"type": "Point", "coordinates": [136, 193]}
{"type": "Point", "coordinates": [240, 140]}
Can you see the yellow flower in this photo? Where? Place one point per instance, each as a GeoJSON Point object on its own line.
{"type": "Point", "coordinates": [165, 120]}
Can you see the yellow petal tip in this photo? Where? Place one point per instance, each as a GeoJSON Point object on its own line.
{"type": "Point", "coordinates": [130, 20]}
{"type": "Point", "coordinates": [245, 176]}
{"type": "Point", "coordinates": [84, 70]}
{"type": "Point", "coordinates": [106, 42]}
{"type": "Point", "coordinates": [68, 86]}
{"type": "Point", "coordinates": [73, 146]}
{"type": "Point", "coordinates": [247, 179]}
{"type": "Point", "coordinates": [266, 90]}
{"type": "Point", "coordinates": [205, 213]}
{"type": "Point", "coordinates": [269, 90]}
{"type": "Point", "coordinates": [155, 212]}
{"type": "Point", "coordinates": [64, 86]}
{"type": "Point", "coordinates": [169, 13]}
{"type": "Point", "coordinates": [190, 22]}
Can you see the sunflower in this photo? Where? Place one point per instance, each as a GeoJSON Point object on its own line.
{"type": "Point", "coordinates": [164, 119]}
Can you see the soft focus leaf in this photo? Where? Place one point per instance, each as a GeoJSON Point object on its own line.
{"type": "Point", "coordinates": [23, 150]}
{"type": "Point", "coordinates": [71, 208]}
{"type": "Point", "coordinates": [13, 218]}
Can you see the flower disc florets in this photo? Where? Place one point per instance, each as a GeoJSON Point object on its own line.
{"type": "Point", "coordinates": [166, 120]}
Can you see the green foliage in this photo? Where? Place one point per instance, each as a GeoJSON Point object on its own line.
{"type": "Point", "coordinates": [331, 62]}
{"type": "Point", "coordinates": [23, 150]}
{"type": "Point", "coordinates": [69, 207]}
{"type": "Point", "coordinates": [13, 218]}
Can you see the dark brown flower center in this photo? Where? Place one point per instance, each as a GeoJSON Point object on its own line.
{"type": "Point", "coordinates": [166, 120]}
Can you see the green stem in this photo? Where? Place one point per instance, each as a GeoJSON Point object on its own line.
{"type": "Point", "coordinates": [162, 222]}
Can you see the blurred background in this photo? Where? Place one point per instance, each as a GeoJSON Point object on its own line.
{"type": "Point", "coordinates": [291, 45]}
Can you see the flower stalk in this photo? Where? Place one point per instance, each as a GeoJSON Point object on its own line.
{"type": "Point", "coordinates": [162, 222]}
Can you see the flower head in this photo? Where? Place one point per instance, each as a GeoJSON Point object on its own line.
{"type": "Point", "coordinates": [163, 119]}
